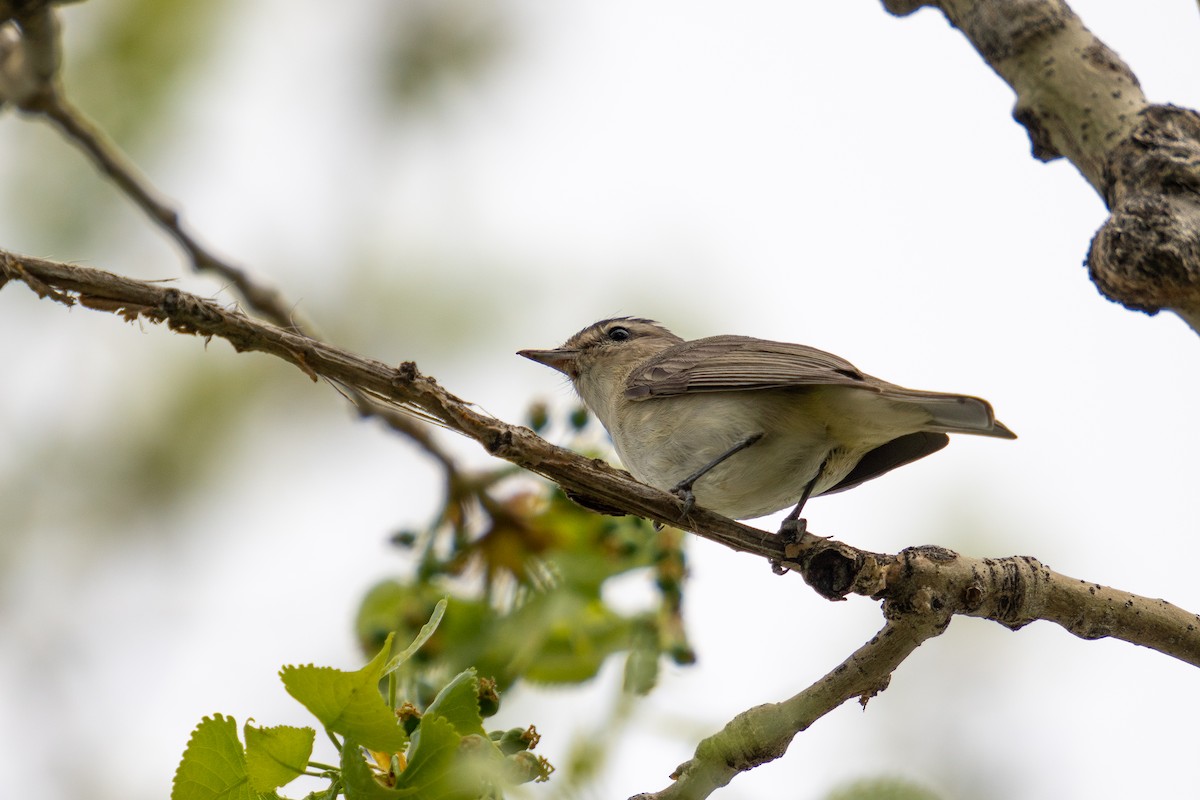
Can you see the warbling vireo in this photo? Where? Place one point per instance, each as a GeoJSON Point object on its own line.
{"type": "Point", "coordinates": [746, 427]}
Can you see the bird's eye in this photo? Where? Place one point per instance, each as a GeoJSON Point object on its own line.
{"type": "Point", "coordinates": [619, 334]}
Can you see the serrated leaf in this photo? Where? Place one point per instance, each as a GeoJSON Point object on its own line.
{"type": "Point", "coordinates": [434, 770]}
{"type": "Point", "coordinates": [276, 756]}
{"type": "Point", "coordinates": [349, 702]}
{"type": "Point", "coordinates": [213, 764]}
{"type": "Point", "coordinates": [421, 638]}
{"type": "Point", "coordinates": [458, 704]}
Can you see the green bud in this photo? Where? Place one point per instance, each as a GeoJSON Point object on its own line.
{"type": "Point", "coordinates": [409, 716]}
{"type": "Point", "coordinates": [516, 740]}
{"type": "Point", "coordinates": [683, 654]}
{"type": "Point", "coordinates": [525, 767]}
{"type": "Point", "coordinates": [489, 697]}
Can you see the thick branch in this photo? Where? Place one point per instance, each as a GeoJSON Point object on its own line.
{"type": "Point", "coordinates": [922, 588]}
{"type": "Point", "coordinates": [1078, 99]}
{"type": "Point", "coordinates": [1012, 591]}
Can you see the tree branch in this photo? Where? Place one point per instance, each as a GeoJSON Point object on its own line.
{"type": "Point", "coordinates": [763, 733]}
{"type": "Point", "coordinates": [1077, 99]}
{"type": "Point", "coordinates": [923, 588]}
{"type": "Point", "coordinates": [402, 387]}
{"type": "Point", "coordinates": [1012, 591]}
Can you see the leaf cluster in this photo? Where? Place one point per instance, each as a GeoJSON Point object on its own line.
{"type": "Point", "coordinates": [385, 750]}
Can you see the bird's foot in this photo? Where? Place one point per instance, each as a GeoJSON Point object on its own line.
{"type": "Point", "coordinates": [791, 532]}
{"type": "Point", "coordinates": [793, 529]}
{"type": "Point", "coordinates": [683, 491]}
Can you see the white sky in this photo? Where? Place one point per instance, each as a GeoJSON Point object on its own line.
{"type": "Point", "coordinates": [826, 174]}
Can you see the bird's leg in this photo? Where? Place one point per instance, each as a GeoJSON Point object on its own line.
{"type": "Point", "coordinates": [683, 489]}
{"type": "Point", "coordinates": [793, 528]}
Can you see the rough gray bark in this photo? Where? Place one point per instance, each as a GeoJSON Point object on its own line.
{"type": "Point", "coordinates": [1078, 100]}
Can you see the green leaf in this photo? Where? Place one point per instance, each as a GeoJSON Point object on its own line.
{"type": "Point", "coordinates": [213, 765]}
{"type": "Point", "coordinates": [278, 755]}
{"type": "Point", "coordinates": [641, 666]}
{"type": "Point", "coordinates": [458, 704]}
{"type": "Point", "coordinates": [349, 702]}
{"type": "Point", "coordinates": [434, 768]}
{"type": "Point", "coordinates": [422, 637]}
{"type": "Point", "coordinates": [359, 782]}
{"type": "Point", "coordinates": [439, 767]}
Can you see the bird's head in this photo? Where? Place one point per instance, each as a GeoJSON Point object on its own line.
{"type": "Point", "coordinates": [612, 347]}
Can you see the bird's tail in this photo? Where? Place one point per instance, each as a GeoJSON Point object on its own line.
{"type": "Point", "coordinates": [955, 413]}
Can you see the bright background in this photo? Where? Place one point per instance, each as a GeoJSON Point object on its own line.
{"type": "Point", "coordinates": [177, 521]}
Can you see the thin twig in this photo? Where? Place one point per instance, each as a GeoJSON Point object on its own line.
{"type": "Point", "coordinates": [264, 300]}
{"type": "Point", "coordinates": [34, 87]}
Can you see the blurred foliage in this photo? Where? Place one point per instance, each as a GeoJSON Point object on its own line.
{"type": "Point", "coordinates": [885, 788]}
{"type": "Point", "coordinates": [398, 297]}
{"type": "Point", "coordinates": [147, 454]}
{"type": "Point", "coordinates": [124, 62]}
{"type": "Point", "coordinates": [128, 63]}
{"type": "Point", "coordinates": [435, 45]}
{"type": "Point", "coordinates": [127, 60]}
{"type": "Point", "coordinates": [527, 569]}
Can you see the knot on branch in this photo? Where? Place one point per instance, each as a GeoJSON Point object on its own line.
{"type": "Point", "coordinates": [499, 442]}
{"type": "Point", "coordinates": [187, 313]}
{"type": "Point", "coordinates": [406, 374]}
{"type": "Point", "coordinates": [1146, 256]}
{"type": "Point", "coordinates": [834, 569]}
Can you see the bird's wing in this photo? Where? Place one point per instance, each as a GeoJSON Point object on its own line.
{"type": "Point", "coordinates": [739, 363]}
{"type": "Point", "coordinates": [742, 363]}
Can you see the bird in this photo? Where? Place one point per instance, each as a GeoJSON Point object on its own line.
{"type": "Point", "coordinates": [747, 427]}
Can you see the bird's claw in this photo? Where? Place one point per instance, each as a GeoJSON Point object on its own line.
{"type": "Point", "coordinates": [791, 531]}
{"type": "Point", "coordinates": [687, 497]}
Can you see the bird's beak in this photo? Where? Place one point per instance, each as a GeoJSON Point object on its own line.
{"type": "Point", "coordinates": [560, 359]}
